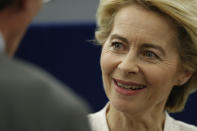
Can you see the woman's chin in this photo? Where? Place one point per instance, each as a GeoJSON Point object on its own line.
{"type": "Point", "coordinates": [124, 107]}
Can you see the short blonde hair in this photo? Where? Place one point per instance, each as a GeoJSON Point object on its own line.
{"type": "Point", "coordinates": [183, 14]}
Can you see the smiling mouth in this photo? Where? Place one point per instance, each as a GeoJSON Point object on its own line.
{"type": "Point", "coordinates": [129, 86]}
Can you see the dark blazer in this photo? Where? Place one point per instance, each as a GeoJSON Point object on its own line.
{"type": "Point", "coordinates": [32, 100]}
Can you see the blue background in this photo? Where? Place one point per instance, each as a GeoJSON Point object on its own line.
{"type": "Point", "coordinates": [66, 52]}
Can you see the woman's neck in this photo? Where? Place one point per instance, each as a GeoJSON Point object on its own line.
{"type": "Point", "coordinates": [124, 121]}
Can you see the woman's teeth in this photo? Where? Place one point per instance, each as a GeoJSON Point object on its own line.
{"type": "Point", "coordinates": [130, 87]}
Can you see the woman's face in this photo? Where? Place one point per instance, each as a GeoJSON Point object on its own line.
{"type": "Point", "coordinates": [140, 62]}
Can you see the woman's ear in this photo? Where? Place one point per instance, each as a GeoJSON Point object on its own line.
{"type": "Point", "coordinates": [184, 77]}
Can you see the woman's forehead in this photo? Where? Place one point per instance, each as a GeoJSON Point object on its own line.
{"type": "Point", "coordinates": [143, 25]}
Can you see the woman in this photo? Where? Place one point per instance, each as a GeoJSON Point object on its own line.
{"type": "Point", "coordinates": [148, 62]}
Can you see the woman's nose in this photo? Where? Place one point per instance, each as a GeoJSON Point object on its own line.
{"type": "Point", "coordinates": [128, 64]}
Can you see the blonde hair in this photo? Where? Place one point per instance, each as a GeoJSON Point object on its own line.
{"type": "Point", "coordinates": [183, 14]}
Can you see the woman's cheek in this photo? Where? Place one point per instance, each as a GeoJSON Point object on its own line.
{"type": "Point", "coordinates": [109, 62]}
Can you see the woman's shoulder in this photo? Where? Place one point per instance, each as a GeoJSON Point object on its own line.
{"type": "Point", "coordinates": [175, 125]}
{"type": "Point", "coordinates": [98, 120]}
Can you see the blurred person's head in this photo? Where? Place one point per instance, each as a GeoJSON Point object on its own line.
{"type": "Point", "coordinates": [15, 16]}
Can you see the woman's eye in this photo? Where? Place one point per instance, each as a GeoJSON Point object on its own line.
{"type": "Point", "coordinates": [117, 45]}
{"type": "Point", "coordinates": [150, 54]}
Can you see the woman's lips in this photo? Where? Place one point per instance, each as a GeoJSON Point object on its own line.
{"type": "Point", "coordinates": [127, 88]}
{"type": "Point", "coordinates": [128, 83]}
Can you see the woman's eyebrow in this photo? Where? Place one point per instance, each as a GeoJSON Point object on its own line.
{"type": "Point", "coordinates": [145, 45]}
{"type": "Point", "coordinates": [116, 36]}
{"type": "Point", "coordinates": [148, 45]}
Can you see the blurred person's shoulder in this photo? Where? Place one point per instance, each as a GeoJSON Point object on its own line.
{"type": "Point", "coordinates": [38, 99]}
{"type": "Point", "coordinates": [30, 78]}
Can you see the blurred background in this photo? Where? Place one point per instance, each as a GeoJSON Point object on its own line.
{"type": "Point", "coordinates": [68, 11]}
{"type": "Point", "coordinates": [59, 41]}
